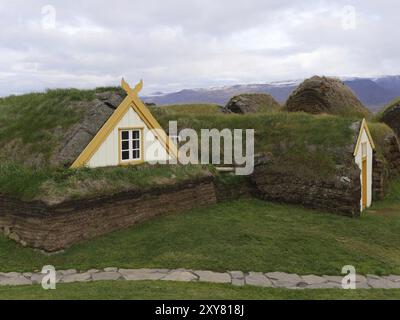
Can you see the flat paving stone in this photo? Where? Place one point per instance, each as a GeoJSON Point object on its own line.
{"type": "Point", "coordinates": [93, 270]}
{"type": "Point", "coordinates": [325, 285]}
{"type": "Point", "coordinates": [142, 274]}
{"type": "Point", "coordinates": [238, 282]}
{"type": "Point", "coordinates": [392, 278]}
{"type": "Point", "coordinates": [167, 270]}
{"type": "Point", "coordinates": [361, 278]}
{"type": "Point", "coordinates": [216, 277]}
{"type": "Point", "coordinates": [312, 279]}
{"type": "Point", "coordinates": [37, 277]}
{"type": "Point", "coordinates": [110, 269]}
{"type": "Point", "coordinates": [101, 276]}
{"type": "Point", "coordinates": [282, 276]}
{"type": "Point", "coordinates": [258, 279]}
{"type": "Point", "coordinates": [67, 272]}
{"type": "Point", "coordinates": [78, 277]}
{"type": "Point", "coordinates": [237, 278]}
{"type": "Point", "coordinates": [10, 274]}
{"type": "Point", "coordinates": [382, 283]}
{"type": "Point", "coordinates": [180, 275]}
{"type": "Point", "coordinates": [362, 285]}
{"type": "Point", "coordinates": [15, 281]}
{"type": "Point", "coordinates": [336, 279]}
{"type": "Point", "coordinates": [284, 280]}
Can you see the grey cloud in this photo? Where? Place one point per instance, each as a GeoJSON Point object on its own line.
{"type": "Point", "coordinates": [177, 44]}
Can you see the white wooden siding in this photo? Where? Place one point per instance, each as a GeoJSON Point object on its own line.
{"type": "Point", "coordinates": [358, 160]}
{"type": "Point", "coordinates": [108, 153]}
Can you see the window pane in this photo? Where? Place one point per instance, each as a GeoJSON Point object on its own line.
{"type": "Point", "coordinates": [125, 135]}
{"type": "Point", "coordinates": [135, 134]}
{"type": "Point", "coordinates": [125, 145]}
{"type": "Point", "coordinates": [135, 144]}
{"type": "Point", "coordinates": [136, 154]}
{"type": "Point", "coordinates": [125, 155]}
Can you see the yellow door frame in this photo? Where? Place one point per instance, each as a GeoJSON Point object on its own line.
{"type": "Point", "coordinates": [364, 183]}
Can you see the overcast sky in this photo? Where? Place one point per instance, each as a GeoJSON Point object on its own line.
{"type": "Point", "coordinates": [176, 44]}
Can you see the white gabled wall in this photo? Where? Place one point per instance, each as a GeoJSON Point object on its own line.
{"type": "Point", "coordinates": [358, 160]}
{"type": "Point", "coordinates": [108, 153]}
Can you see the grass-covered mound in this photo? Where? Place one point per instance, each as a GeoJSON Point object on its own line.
{"type": "Point", "coordinates": [252, 103]}
{"type": "Point", "coordinates": [379, 131]}
{"type": "Point", "coordinates": [33, 126]}
{"type": "Point", "coordinates": [299, 142]}
{"type": "Point", "coordinates": [390, 115]}
{"type": "Point", "coordinates": [325, 95]}
{"type": "Point", "coordinates": [386, 108]}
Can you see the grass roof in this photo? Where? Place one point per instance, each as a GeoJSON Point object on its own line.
{"type": "Point", "coordinates": [253, 103]}
{"type": "Point", "coordinates": [33, 125]}
{"type": "Point", "coordinates": [57, 185]}
{"type": "Point", "coordinates": [292, 139]}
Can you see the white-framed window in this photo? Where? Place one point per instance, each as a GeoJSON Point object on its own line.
{"type": "Point", "coordinates": [130, 140]}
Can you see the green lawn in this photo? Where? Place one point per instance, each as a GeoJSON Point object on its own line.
{"type": "Point", "coordinates": [392, 199]}
{"type": "Point", "coordinates": [142, 290]}
{"type": "Point", "coordinates": [242, 235]}
{"type": "Point", "coordinates": [247, 235]}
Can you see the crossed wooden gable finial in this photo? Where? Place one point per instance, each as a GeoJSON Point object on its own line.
{"type": "Point", "coordinates": [129, 90]}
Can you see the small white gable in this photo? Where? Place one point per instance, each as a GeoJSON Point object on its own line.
{"type": "Point", "coordinates": [363, 156]}
{"type": "Point", "coordinates": [139, 146]}
{"type": "Point", "coordinates": [130, 136]}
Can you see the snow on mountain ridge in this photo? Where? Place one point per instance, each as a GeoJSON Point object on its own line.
{"type": "Point", "coordinates": [373, 92]}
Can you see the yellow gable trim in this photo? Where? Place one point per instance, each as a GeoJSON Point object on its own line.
{"type": "Point", "coordinates": [102, 134]}
{"type": "Point", "coordinates": [145, 114]}
{"type": "Point", "coordinates": [364, 125]}
{"type": "Point", "coordinates": [131, 100]}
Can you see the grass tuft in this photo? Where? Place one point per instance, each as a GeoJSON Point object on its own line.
{"type": "Point", "coordinates": [57, 185]}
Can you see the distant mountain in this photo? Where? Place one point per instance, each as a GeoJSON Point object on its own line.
{"type": "Point", "coordinates": [373, 92]}
{"type": "Point", "coordinates": [221, 95]}
{"type": "Point", "coordinates": [389, 82]}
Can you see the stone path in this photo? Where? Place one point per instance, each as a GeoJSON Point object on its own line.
{"type": "Point", "coordinates": [236, 278]}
